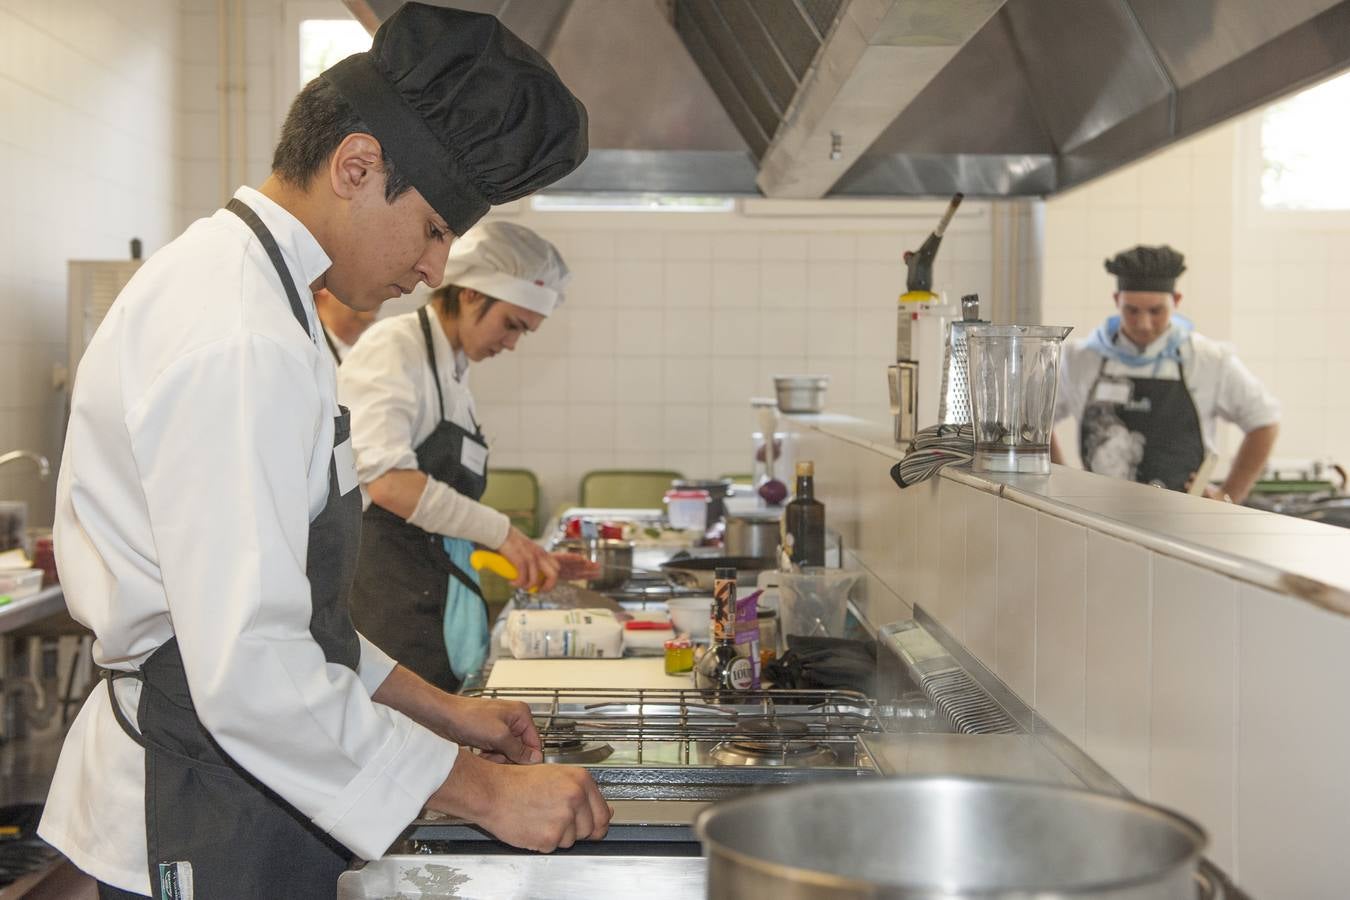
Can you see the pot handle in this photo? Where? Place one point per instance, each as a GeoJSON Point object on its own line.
{"type": "Point", "coordinates": [1212, 884]}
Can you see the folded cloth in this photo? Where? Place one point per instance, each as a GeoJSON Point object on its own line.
{"type": "Point", "coordinates": [825, 663]}
{"type": "Point", "coordinates": [933, 449]}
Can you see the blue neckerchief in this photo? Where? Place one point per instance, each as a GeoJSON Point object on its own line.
{"type": "Point", "coordinates": [464, 627]}
{"type": "Point", "coordinates": [1103, 341]}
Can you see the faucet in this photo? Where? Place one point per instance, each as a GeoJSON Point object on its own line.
{"type": "Point", "coordinates": [44, 467]}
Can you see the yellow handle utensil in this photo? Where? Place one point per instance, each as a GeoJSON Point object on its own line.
{"type": "Point", "coordinates": [496, 563]}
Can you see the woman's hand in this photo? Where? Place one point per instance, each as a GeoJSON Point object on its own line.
{"type": "Point", "coordinates": [538, 569]}
{"type": "Point", "coordinates": [575, 567]}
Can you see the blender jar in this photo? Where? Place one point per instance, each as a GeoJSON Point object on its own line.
{"type": "Point", "coordinates": [1014, 370]}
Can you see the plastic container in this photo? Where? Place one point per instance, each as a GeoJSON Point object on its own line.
{"type": "Point", "coordinates": [1014, 370]}
{"type": "Point", "coordinates": [687, 508]}
{"type": "Point", "coordinates": [20, 583]}
{"type": "Point", "coordinates": [814, 602]}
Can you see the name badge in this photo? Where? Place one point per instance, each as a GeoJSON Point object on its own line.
{"type": "Point", "coordinates": [1112, 392]}
{"type": "Point", "coordinates": [345, 464]}
{"type": "Point", "coordinates": [473, 456]}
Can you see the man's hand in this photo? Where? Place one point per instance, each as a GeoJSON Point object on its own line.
{"type": "Point", "coordinates": [503, 729]}
{"type": "Point", "coordinates": [537, 808]}
{"type": "Point", "coordinates": [536, 566]}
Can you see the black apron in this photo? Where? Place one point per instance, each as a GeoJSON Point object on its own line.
{"type": "Point", "coordinates": [398, 599]}
{"type": "Point", "coordinates": [1148, 424]}
{"type": "Point", "coordinates": [212, 829]}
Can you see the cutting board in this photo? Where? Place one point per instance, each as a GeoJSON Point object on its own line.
{"type": "Point", "coordinates": [628, 674]}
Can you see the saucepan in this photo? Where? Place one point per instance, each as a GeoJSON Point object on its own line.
{"type": "Point", "coordinates": [615, 559]}
{"type": "Point", "coordinates": [930, 837]}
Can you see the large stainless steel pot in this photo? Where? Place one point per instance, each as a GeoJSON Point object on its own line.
{"type": "Point", "coordinates": [615, 559]}
{"type": "Point", "coordinates": [751, 535]}
{"type": "Point", "coordinates": [926, 838]}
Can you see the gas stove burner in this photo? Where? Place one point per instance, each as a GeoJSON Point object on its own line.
{"type": "Point", "coordinates": [772, 741]}
{"type": "Point", "coordinates": [563, 743]}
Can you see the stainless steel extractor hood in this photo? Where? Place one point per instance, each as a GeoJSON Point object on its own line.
{"type": "Point", "coordinates": [812, 98]}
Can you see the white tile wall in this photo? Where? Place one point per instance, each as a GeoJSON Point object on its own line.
{"type": "Point", "coordinates": [1015, 647]}
{"type": "Point", "coordinates": [89, 88]}
{"type": "Point", "coordinates": [1291, 657]}
{"type": "Point", "coordinates": [1117, 688]}
{"type": "Point", "coordinates": [1193, 722]}
{"type": "Point", "coordinates": [1061, 609]}
{"type": "Point", "coordinates": [693, 317]}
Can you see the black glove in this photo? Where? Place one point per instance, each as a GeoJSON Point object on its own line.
{"type": "Point", "coordinates": [825, 663]}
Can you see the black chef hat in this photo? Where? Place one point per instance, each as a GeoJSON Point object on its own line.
{"type": "Point", "coordinates": [467, 111]}
{"type": "Point", "coordinates": [1147, 269]}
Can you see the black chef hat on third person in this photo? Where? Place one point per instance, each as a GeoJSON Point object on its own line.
{"type": "Point", "coordinates": [1147, 269]}
{"type": "Point", "coordinates": [467, 111]}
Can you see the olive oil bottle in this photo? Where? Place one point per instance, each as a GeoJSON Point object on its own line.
{"type": "Point", "coordinates": [804, 520]}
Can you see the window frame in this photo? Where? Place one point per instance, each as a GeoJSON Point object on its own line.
{"type": "Point", "coordinates": [287, 77]}
{"type": "Point", "coordinates": [1249, 166]}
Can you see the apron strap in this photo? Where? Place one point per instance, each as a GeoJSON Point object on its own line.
{"type": "Point", "coordinates": [431, 355]}
{"type": "Point", "coordinates": [423, 318]}
{"type": "Point", "coordinates": [332, 347]}
{"type": "Point", "coordinates": [465, 579]}
{"type": "Point", "coordinates": [111, 676]}
{"type": "Point", "coordinates": [241, 209]}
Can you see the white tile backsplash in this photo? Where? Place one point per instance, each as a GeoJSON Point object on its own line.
{"type": "Point", "coordinates": [1193, 720]}
{"type": "Point", "coordinates": [1015, 648]}
{"type": "Point", "coordinates": [1118, 672]}
{"type": "Point", "coordinates": [1061, 576]}
{"type": "Point", "coordinates": [1294, 670]}
{"type": "Point", "coordinates": [948, 602]}
{"type": "Point", "coordinates": [981, 581]}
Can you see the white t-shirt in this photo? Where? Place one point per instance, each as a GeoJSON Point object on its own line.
{"type": "Point", "coordinates": [387, 383]}
{"type": "Point", "coordinates": [1219, 384]}
{"type": "Point", "coordinates": [198, 453]}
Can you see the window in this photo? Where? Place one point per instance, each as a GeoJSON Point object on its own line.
{"type": "Point", "coordinates": [1305, 144]}
{"type": "Point", "coordinates": [327, 41]}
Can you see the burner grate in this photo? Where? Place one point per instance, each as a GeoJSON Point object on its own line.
{"type": "Point", "coordinates": [641, 716]}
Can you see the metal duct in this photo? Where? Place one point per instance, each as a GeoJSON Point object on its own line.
{"type": "Point", "coordinates": [810, 98]}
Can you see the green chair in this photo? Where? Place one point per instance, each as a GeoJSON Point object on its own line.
{"type": "Point", "coordinates": [626, 488]}
{"type": "Point", "coordinates": [515, 492]}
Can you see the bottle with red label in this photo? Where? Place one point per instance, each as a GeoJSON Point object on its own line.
{"type": "Point", "coordinates": [722, 673]}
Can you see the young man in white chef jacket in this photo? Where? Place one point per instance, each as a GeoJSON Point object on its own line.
{"type": "Point", "coordinates": [1147, 391]}
{"type": "Point", "coordinates": [249, 741]}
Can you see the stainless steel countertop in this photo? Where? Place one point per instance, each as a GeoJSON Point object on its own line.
{"type": "Point", "coordinates": [26, 610]}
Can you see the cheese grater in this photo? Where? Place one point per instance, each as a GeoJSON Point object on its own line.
{"type": "Point", "coordinates": [954, 400]}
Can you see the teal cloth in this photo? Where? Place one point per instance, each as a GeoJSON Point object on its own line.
{"type": "Point", "coordinates": [465, 627]}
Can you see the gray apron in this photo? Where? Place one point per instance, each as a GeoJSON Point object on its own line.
{"type": "Point", "coordinates": [212, 829]}
{"type": "Point", "coordinates": [398, 598]}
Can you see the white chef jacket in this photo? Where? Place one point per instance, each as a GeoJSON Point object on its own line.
{"type": "Point", "coordinates": [1219, 384]}
{"type": "Point", "coordinates": [198, 450]}
{"type": "Point", "coordinates": [387, 383]}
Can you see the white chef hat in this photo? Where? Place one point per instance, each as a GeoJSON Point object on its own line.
{"type": "Point", "coordinates": [509, 262]}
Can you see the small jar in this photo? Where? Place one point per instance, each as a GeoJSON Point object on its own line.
{"type": "Point", "coordinates": [679, 656]}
